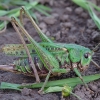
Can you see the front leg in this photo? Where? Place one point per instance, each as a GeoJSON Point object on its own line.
{"type": "Point", "coordinates": [74, 65]}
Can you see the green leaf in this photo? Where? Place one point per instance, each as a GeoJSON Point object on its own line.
{"type": "Point", "coordinates": [42, 11]}
{"type": "Point", "coordinates": [19, 2]}
{"type": "Point", "coordinates": [3, 12]}
{"type": "Point", "coordinates": [72, 82]}
{"type": "Point", "coordinates": [53, 89]}
{"type": "Point", "coordinates": [84, 4]}
{"type": "Point", "coordinates": [5, 1]}
{"type": "Point", "coordinates": [5, 85]}
{"type": "Point", "coordinates": [44, 7]}
{"type": "Point", "coordinates": [16, 12]}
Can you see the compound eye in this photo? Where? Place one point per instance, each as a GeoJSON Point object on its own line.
{"type": "Point", "coordinates": [86, 55]}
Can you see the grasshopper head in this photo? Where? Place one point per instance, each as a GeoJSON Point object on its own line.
{"type": "Point", "coordinates": [81, 56]}
{"type": "Point", "coordinates": [85, 59]}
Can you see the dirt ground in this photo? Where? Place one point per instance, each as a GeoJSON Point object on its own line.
{"type": "Point", "coordinates": [68, 23]}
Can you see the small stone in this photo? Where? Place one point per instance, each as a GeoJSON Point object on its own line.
{"type": "Point", "coordinates": [36, 38]}
{"type": "Point", "coordinates": [63, 32]}
{"type": "Point", "coordinates": [88, 94]}
{"type": "Point", "coordinates": [90, 23]}
{"type": "Point", "coordinates": [96, 36]}
{"type": "Point", "coordinates": [98, 98]}
{"type": "Point", "coordinates": [78, 10]}
{"type": "Point", "coordinates": [80, 94]}
{"type": "Point", "coordinates": [51, 2]}
{"type": "Point", "coordinates": [67, 24]}
{"type": "Point", "coordinates": [93, 87]}
{"type": "Point", "coordinates": [61, 2]}
{"type": "Point", "coordinates": [26, 91]}
{"type": "Point", "coordinates": [95, 33]}
{"type": "Point", "coordinates": [58, 35]}
{"type": "Point", "coordinates": [88, 31]}
{"type": "Point", "coordinates": [73, 29]}
{"type": "Point", "coordinates": [64, 18]}
{"type": "Point", "coordinates": [63, 98]}
{"type": "Point", "coordinates": [72, 97]}
{"type": "Point", "coordinates": [72, 39]}
{"type": "Point", "coordinates": [99, 84]}
{"type": "Point", "coordinates": [55, 15]}
{"type": "Point", "coordinates": [61, 24]}
{"type": "Point", "coordinates": [47, 33]}
{"type": "Point", "coordinates": [49, 20]}
{"type": "Point", "coordinates": [38, 16]}
{"type": "Point", "coordinates": [44, 30]}
{"type": "Point", "coordinates": [83, 88]}
{"type": "Point", "coordinates": [84, 15]}
{"type": "Point", "coordinates": [42, 25]}
{"type": "Point", "coordinates": [1, 95]}
{"type": "Point", "coordinates": [68, 9]}
{"type": "Point", "coordinates": [16, 97]}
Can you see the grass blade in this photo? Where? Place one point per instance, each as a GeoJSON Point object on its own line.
{"type": "Point", "coordinates": [89, 6]}
{"type": "Point", "coordinates": [5, 85]}
{"type": "Point", "coordinates": [19, 2]}
{"type": "Point", "coordinates": [84, 3]}
{"type": "Point", "coordinates": [3, 12]}
{"type": "Point", "coordinates": [53, 89]}
{"type": "Point", "coordinates": [72, 82]}
{"type": "Point", "coordinates": [41, 11]}
{"type": "Point", "coordinates": [15, 12]}
{"type": "Point", "coordinates": [45, 8]}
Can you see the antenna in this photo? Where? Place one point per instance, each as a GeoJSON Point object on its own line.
{"type": "Point", "coordinates": [94, 50]}
{"type": "Point", "coordinates": [96, 47]}
{"type": "Point", "coordinates": [95, 64]}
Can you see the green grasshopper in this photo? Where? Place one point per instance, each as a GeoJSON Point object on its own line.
{"type": "Point", "coordinates": [45, 58]}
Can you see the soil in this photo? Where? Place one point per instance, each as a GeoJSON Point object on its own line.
{"type": "Point", "coordinates": [68, 23]}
